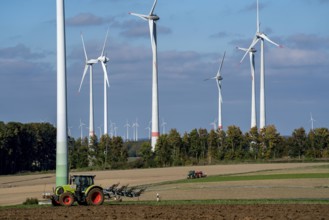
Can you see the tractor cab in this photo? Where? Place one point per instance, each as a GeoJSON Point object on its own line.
{"type": "Point", "coordinates": [82, 182]}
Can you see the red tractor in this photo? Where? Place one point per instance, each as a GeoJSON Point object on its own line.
{"type": "Point", "coordinates": [192, 174]}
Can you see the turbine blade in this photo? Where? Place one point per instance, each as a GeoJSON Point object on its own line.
{"type": "Point", "coordinates": [102, 54]}
{"type": "Point", "coordinates": [243, 49]}
{"type": "Point", "coordinates": [258, 24]}
{"type": "Point", "coordinates": [221, 65]}
{"type": "Point", "coordinates": [263, 36]}
{"type": "Point", "coordinates": [144, 17]}
{"type": "Point", "coordinates": [254, 42]}
{"type": "Point", "coordinates": [153, 7]}
{"type": "Point", "coordinates": [105, 74]}
{"type": "Point", "coordinates": [209, 78]}
{"type": "Point", "coordinates": [83, 76]}
{"type": "Point", "coordinates": [84, 48]}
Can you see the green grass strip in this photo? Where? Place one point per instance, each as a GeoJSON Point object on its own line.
{"type": "Point", "coordinates": [223, 178]}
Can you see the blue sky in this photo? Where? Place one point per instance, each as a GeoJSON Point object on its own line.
{"type": "Point", "coordinates": [192, 37]}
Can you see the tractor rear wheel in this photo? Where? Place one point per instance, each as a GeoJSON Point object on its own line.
{"type": "Point", "coordinates": [66, 199]}
{"type": "Point", "coordinates": [95, 197]}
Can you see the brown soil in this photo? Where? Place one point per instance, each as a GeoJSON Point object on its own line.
{"type": "Point", "coordinates": [291, 211]}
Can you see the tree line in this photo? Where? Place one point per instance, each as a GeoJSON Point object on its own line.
{"type": "Point", "coordinates": [32, 147]}
{"type": "Point", "coordinates": [27, 147]}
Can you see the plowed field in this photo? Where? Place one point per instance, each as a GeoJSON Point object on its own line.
{"type": "Point", "coordinates": [15, 189]}
{"type": "Point", "coordinates": [277, 212]}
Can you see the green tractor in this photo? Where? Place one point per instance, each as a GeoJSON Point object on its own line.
{"type": "Point", "coordinates": [81, 189]}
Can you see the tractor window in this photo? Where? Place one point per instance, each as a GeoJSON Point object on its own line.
{"type": "Point", "coordinates": [76, 180]}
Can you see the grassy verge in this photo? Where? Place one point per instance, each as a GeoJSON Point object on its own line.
{"type": "Point", "coordinates": [225, 178]}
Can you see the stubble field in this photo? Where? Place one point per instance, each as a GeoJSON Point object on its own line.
{"type": "Point", "coordinates": [15, 189]}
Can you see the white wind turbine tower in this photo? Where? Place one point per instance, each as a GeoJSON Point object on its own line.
{"type": "Point", "coordinates": [81, 129]}
{"type": "Point", "coordinates": [163, 124]}
{"type": "Point", "coordinates": [134, 131]}
{"type": "Point", "coordinates": [252, 52]}
{"type": "Point", "coordinates": [149, 131]}
{"type": "Point", "coordinates": [100, 131]}
{"type": "Point", "coordinates": [89, 64]}
{"type": "Point", "coordinates": [104, 60]}
{"type": "Point", "coordinates": [152, 18]}
{"type": "Point", "coordinates": [262, 37]}
{"type": "Point", "coordinates": [218, 79]}
{"type": "Point", "coordinates": [136, 127]}
{"type": "Point", "coordinates": [62, 168]}
{"type": "Point", "coordinates": [127, 125]}
{"type": "Point", "coordinates": [214, 124]}
{"type": "Point", "coordinates": [312, 122]}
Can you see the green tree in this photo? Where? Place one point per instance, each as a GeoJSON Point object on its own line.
{"type": "Point", "coordinates": [83, 152]}
{"type": "Point", "coordinates": [271, 142]}
{"type": "Point", "coordinates": [213, 146]}
{"type": "Point", "coordinates": [185, 151]}
{"type": "Point", "coordinates": [195, 146]}
{"type": "Point", "coordinates": [175, 144]}
{"type": "Point", "coordinates": [145, 152]}
{"type": "Point", "coordinates": [298, 143]}
{"type": "Point", "coordinates": [252, 138]}
{"type": "Point", "coordinates": [234, 142]}
{"type": "Point", "coordinates": [163, 152]}
{"type": "Point", "coordinates": [318, 143]}
{"type": "Point", "coordinates": [105, 150]}
{"type": "Point", "coordinates": [203, 135]}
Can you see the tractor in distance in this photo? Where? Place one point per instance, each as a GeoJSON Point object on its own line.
{"type": "Point", "coordinates": [192, 174]}
{"type": "Point", "coordinates": [81, 189]}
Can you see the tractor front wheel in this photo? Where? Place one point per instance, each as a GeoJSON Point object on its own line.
{"type": "Point", "coordinates": [54, 202]}
{"type": "Point", "coordinates": [95, 197]}
{"type": "Point", "coordinates": [66, 199]}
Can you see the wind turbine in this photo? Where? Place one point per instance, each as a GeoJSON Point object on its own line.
{"type": "Point", "coordinates": [104, 60]}
{"type": "Point", "coordinates": [100, 131]}
{"type": "Point", "coordinates": [128, 126]}
{"type": "Point", "coordinates": [134, 131]}
{"type": "Point", "coordinates": [115, 131]}
{"type": "Point", "coordinates": [163, 124]}
{"type": "Point", "coordinates": [136, 127]}
{"type": "Point", "coordinates": [81, 129]}
{"type": "Point", "coordinates": [62, 167]}
{"type": "Point", "coordinates": [214, 124]}
{"type": "Point", "coordinates": [260, 36]}
{"type": "Point", "coordinates": [89, 64]}
{"type": "Point", "coordinates": [312, 122]}
{"type": "Point", "coordinates": [149, 131]}
{"type": "Point", "coordinates": [152, 18]}
{"type": "Point", "coordinates": [218, 79]}
{"type": "Point", "coordinates": [252, 52]}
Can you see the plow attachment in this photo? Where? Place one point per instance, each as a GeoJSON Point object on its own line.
{"type": "Point", "coordinates": [116, 191]}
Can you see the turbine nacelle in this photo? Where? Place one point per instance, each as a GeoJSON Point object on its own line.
{"type": "Point", "coordinates": [219, 78]}
{"type": "Point", "coordinates": [103, 59]}
{"type": "Point", "coordinates": [92, 61]}
{"type": "Point", "coordinates": [146, 17]}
